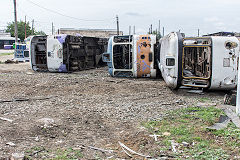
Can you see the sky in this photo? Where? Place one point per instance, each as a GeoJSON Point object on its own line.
{"type": "Point", "coordinates": [185, 15]}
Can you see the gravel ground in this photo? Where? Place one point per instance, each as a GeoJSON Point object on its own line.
{"type": "Point", "coordinates": [87, 108]}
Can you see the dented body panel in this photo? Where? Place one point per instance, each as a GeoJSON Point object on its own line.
{"type": "Point", "coordinates": [203, 62]}
{"type": "Point", "coordinates": [225, 62]}
{"type": "Point", "coordinates": [66, 53]}
{"type": "Point", "coordinates": [131, 56]}
{"type": "Point", "coordinates": [170, 61]}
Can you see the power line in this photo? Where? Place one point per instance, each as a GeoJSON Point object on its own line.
{"type": "Point", "coordinates": [50, 10]}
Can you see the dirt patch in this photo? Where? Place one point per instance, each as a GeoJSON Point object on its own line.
{"type": "Point", "coordinates": [6, 68]}
{"type": "Point", "coordinates": [94, 110]}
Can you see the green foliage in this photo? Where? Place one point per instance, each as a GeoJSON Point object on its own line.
{"type": "Point", "coordinates": [208, 115]}
{"type": "Point", "coordinates": [189, 125]}
{"type": "Point", "coordinates": [231, 135]}
{"type": "Point", "coordinates": [208, 153]}
{"type": "Point", "coordinates": [157, 34]}
{"type": "Point", "coordinates": [68, 154]}
{"type": "Point", "coordinates": [40, 33]}
{"type": "Point", "coordinates": [21, 30]}
{"type": "Point", "coordinates": [204, 99]}
{"type": "Point", "coordinates": [58, 154]}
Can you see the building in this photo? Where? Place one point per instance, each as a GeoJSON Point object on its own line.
{"type": "Point", "coordinates": [6, 41]}
{"type": "Point", "coordinates": [99, 33]}
{"type": "Point", "coordinates": [4, 34]}
{"type": "Point", "coordinates": [223, 34]}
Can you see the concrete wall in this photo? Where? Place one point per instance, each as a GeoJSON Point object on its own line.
{"type": "Point", "coordinates": [89, 32]}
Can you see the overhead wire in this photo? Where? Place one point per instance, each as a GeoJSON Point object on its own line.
{"type": "Point", "coordinates": [53, 11]}
{"type": "Point", "coordinates": [43, 25]}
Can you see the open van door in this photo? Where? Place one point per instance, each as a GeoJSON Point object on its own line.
{"type": "Point", "coordinates": [54, 54]}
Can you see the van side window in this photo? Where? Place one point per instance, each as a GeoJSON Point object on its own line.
{"type": "Point", "coordinates": [170, 62]}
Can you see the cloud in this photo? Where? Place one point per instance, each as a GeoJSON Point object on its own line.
{"type": "Point", "coordinates": [216, 22]}
{"type": "Point", "coordinates": [141, 31]}
{"type": "Point", "coordinates": [211, 19]}
{"type": "Point", "coordinates": [134, 14]}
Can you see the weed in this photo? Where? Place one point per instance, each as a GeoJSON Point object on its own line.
{"type": "Point", "coordinates": [189, 125]}
{"type": "Point", "coordinates": [68, 154]}
{"type": "Point", "coordinates": [204, 99]}
{"type": "Point", "coordinates": [208, 153]}
{"type": "Point", "coordinates": [59, 154]}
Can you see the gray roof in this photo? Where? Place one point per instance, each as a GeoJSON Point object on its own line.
{"type": "Point", "coordinates": [85, 29]}
{"type": "Point", "coordinates": [8, 38]}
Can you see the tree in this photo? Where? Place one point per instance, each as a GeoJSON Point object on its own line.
{"type": "Point", "coordinates": [40, 33]}
{"type": "Point", "coordinates": [156, 33]}
{"type": "Point", "coordinates": [21, 30]}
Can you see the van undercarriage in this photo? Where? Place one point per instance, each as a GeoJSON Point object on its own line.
{"type": "Point", "coordinates": [78, 53]}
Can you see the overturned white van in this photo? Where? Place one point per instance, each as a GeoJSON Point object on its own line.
{"type": "Point", "coordinates": [66, 53]}
{"type": "Point", "coordinates": [203, 62]}
{"type": "Point", "coordinates": [131, 56]}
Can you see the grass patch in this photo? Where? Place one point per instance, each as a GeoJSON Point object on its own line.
{"type": "Point", "coordinates": [6, 54]}
{"type": "Point", "coordinates": [68, 154]}
{"type": "Point", "coordinates": [59, 154]}
{"type": "Point", "coordinates": [204, 99]}
{"type": "Point", "coordinates": [189, 125]}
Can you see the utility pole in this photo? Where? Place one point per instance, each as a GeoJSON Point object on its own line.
{"type": "Point", "coordinates": [134, 30]}
{"type": "Point", "coordinates": [159, 28]}
{"type": "Point", "coordinates": [32, 26]}
{"type": "Point", "coordinates": [130, 30]}
{"type": "Point", "coordinates": [117, 25]}
{"type": "Point", "coordinates": [25, 27]}
{"type": "Point", "coordinates": [198, 32]}
{"type": "Point", "coordinates": [52, 28]}
{"type": "Point", "coordinates": [151, 29]}
{"type": "Point", "coordinates": [238, 93]}
{"type": "Point", "coordinates": [15, 20]}
{"type": "Point", "coordinates": [163, 30]}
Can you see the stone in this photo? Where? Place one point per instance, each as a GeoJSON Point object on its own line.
{"type": "Point", "coordinates": [167, 134]}
{"type": "Point", "coordinates": [46, 122]}
{"type": "Point", "coordinates": [185, 144]}
{"type": "Point", "coordinates": [11, 144]}
{"type": "Point", "coordinates": [17, 156]}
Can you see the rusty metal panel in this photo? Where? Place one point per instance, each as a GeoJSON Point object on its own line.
{"type": "Point", "coordinates": [144, 56]}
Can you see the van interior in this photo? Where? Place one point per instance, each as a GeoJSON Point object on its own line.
{"type": "Point", "coordinates": [122, 56]}
{"type": "Point", "coordinates": [197, 61]}
{"type": "Point", "coordinates": [39, 53]}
